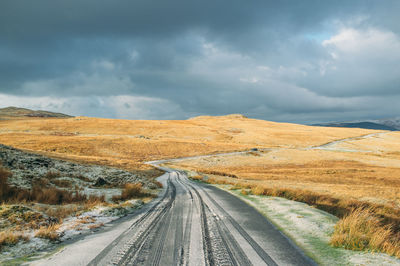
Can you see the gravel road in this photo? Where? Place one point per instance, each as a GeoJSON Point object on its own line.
{"type": "Point", "coordinates": [197, 224]}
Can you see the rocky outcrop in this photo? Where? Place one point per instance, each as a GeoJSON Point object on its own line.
{"type": "Point", "coordinates": [27, 168]}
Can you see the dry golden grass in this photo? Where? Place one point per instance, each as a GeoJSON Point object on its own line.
{"type": "Point", "coordinates": [335, 181]}
{"type": "Point", "coordinates": [363, 225]}
{"type": "Point", "coordinates": [48, 232]}
{"type": "Point", "coordinates": [324, 172]}
{"type": "Point", "coordinates": [131, 191]}
{"type": "Point", "coordinates": [361, 230]}
{"type": "Point", "coordinates": [94, 226]}
{"type": "Point", "coordinates": [8, 238]}
{"type": "Point", "coordinates": [58, 211]}
{"type": "Point", "coordinates": [40, 193]}
{"type": "Point", "coordinates": [197, 177]}
{"type": "Point", "coordinates": [126, 144]}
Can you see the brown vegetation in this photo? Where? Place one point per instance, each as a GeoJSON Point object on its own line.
{"type": "Point", "coordinates": [126, 144]}
{"type": "Point", "coordinates": [48, 195]}
{"type": "Point", "coordinates": [331, 180]}
{"type": "Point", "coordinates": [59, 212]}
{"type": "Point", "coordinates": [131, 191]}
{"type": "Point", "coordinates": [48, 232]}
{"type": "Point", "coordinates": [361, 229]}
{"type": "Point", "coordinates": [52, 174]}
{"type": "Point", "coordinates": [11, 238]}
{"type": "Point", "coordinates": [363, 225]}
{"type": "Point", "coordinates": [212, 172]}
{"type": "Point", "coordinates": [5, 190]}
{"type": "Point", "coordinates": [62, 183]}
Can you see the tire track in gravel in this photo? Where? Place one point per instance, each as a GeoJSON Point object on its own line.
{"type": "Point", "coordinates": [137, 247]}
{"type": "Point", "coordinates": [186, 226]}
{"type": "Point", "coordinates": [232, 253]}
{"type": "Point", "coordinates": [266, 258]}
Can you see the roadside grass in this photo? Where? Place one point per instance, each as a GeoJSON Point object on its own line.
{"type": "Point", "coordinates": [48, 232]}
{"type": "Point", "coordinates": [39, 193]}
{"type": "Point", "coordinates": [211, 172]}
{"type": "Point", "coordinates": [339, 174]}
{"type": "Point", "coordinates": [362, 230]}
{"type": "Point", "coordinates": [8, 238]}
{"type": "Point", "coordinates": [310, 228]}
{"type": "Point", "coordinates": [131, 191]}
{"type": "Point", "coordinates": [362, 225]}
{"type": "Point", "coordinates": [59, 212]}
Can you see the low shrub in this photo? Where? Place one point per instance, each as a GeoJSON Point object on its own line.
{"type": "Point", "coordinates": [48, 232]}
{"type": "Point", "coordinates": [197, 177]}
{"type": "Point", "coordinates": [130, 191]}
{"type": "Point", "coordinates": [38, 193]}
{"type": "Point", "coordinates": [59, 212]}
{"type": "Point", "coordinates": [212, 172]}
{"type": "Point", "coordinates": [52, 174]}
{"type": "Point", "coordinates": [5, 190]}
{"type": "Point", "coordinates": [158, 184]}
{"type": "Point", "coordinates": [42, 182]}
{"type": "Point", "coordinates": [8, 238]}
{"type": "Point", "coordinates": [62, 183]}
{"type": "Point", "coordinates": [81, 177]}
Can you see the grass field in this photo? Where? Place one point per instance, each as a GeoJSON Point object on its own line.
{"type": "Point", "coordinates": [357, 180]}
{"type": "Point", "coordinates": [127, 144]}
{"type": "Point", "coordinates": [357, 172]}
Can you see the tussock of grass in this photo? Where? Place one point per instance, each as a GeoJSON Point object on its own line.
{"type": "Point", "coordinates": [60, 212]}
{"type": "Point", "coordinates": [52, 174]}
{"type": "Point", "coordinates": [5, 190]}
{"type": "Point", "coordinates": [62, 183]}
{"type": "Point", "coordinates": [363, 225]}
{"type": "Point", "coordinates": [244, 192]}
{"type": "Point", "coordinates": [362, 230]}
{"type": "Point", "coordinates": [22, 217]}
{"type": "Point", "coordinates": [81, 177]}
{"type": "Point", "coordinates": [38, 193]}
{"type": "Point", "coordinates": [158, 184]}
{"type": "Point", "coordinates": [8, 238]}
{"type": "Point", "coordinates": [48, 232]}
{"type": "Point", "coordinates": [131, 191]}
{"type": "Point", "coordinates": [212, 172]}
{"type": "Point", "coordinates": [197, 177]}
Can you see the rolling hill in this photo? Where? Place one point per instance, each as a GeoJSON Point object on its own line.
{"type": "Point", "coordinates": [15, 112]}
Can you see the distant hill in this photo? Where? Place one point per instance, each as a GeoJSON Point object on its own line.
{"type": "Point", "coordinates": [390, 122]}
{"type": "Point", "coordinates": [383, 124]}
{"type": "Point", "coordinates": [231, 116]}
{"type": "Point", "coordinates": [15, 112]}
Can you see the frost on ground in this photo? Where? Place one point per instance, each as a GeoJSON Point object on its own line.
{"type": "Point", "coordinates": [29, 226]}
{"type": "Point", "coordinates": [71, 227]}
{"type": "Point", "coordinates": [310, 229]}
{"type": "Point", "coordinates": [27, 168]}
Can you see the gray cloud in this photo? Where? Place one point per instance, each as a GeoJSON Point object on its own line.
{"type": "Point", "coordinates": [292, 61]}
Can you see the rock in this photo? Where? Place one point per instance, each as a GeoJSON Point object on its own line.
{"type": "Point", "coordinates": [100, 182]}
{"type": "Point", "coordinates": [27, 166]}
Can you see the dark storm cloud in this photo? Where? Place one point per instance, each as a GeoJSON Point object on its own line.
{"type": "Point", "coordinates": [281, 60]}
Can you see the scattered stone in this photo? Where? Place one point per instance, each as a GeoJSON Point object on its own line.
{"type": "Point", "coordinates": [101, 182]}
{"type": "Point", "coordinates": [27, 168]}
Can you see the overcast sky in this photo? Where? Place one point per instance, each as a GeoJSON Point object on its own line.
{"type": "Point", "coordinates": [296, 61]}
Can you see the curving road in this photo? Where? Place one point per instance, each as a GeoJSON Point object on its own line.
{"type": "Point", "coordinates": [196, 224]}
